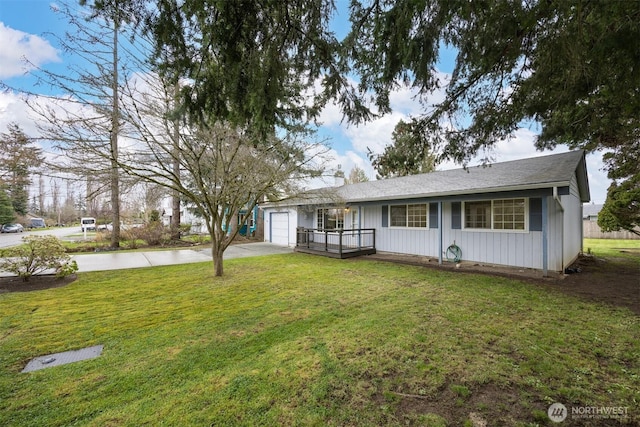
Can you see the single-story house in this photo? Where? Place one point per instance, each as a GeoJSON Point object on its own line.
{"type": "Point", "coordinates": [522, 213]}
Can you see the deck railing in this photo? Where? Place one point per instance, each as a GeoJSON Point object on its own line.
{"type": "Point", "coordinates": [340, 242]}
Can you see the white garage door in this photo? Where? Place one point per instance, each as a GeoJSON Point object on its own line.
{"type": "Point", "coordinates": [280, 228]}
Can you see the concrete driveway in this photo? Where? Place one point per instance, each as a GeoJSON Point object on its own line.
{"type": "Point", "coordinates": [123, 260]}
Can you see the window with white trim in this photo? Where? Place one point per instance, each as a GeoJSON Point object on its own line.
{"type": "Point", "coordinates": [501, 214]}
{"type": "Point", "coordinates": [330, 219]}
{"type": "Point", "coordinates": [509, 214]}
{"type": "Point", "coordinates": [414, 216]}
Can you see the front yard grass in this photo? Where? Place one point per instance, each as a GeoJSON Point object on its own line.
{"type": "Point", "coordinates": [303, 340]}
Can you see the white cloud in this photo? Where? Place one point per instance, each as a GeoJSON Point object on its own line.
{"type": "Point", "coordinates": [405, 104]}
{"type": "Point", "coordinates": [330, 116]}
{"type": "Point", "coordinates": [17, 46]}
{"type": "Point", "coordinates": [374, 135]}
{"type": "Point", "coordinates": [377, 134]}
{"type": "Point", "coordinates": [14, 110]}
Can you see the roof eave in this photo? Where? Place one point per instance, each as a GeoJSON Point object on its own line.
{"type": "Point", "coordinates": [583, 180]}
{"type": "Point", "coordinates": [463, 192]}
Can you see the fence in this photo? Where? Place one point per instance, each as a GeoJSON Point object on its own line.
{"type": "Point", "coordinates": [591, 230]}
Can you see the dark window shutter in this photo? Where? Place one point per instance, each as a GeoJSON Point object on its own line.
{"type": "Point", "coordinates": [456, 215]}
{"type": "Point", "coordinates": [433, 215]}
{"type": "Point", "coordinates": [385, 215]}
{"type": "Point", "coordinates": [535, 214]}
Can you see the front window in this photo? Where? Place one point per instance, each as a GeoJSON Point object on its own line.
{"type": "Point", "coordinates": [398, 216]}
{"type": "Point", "coordinates": [509, 214]}
{"type": "Point", "coordinates": [409, 215]}
{"type": "Point", "coordinates": [506, 214]}
{"type": "Point", "coordinates": [417, 216]}
{"type": "Point", "coordinates": [330, 219]}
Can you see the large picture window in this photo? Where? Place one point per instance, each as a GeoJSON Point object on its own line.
{"type": "Point", "coordinates": [506, 214]}
{"type": "Point", "coordinates": [409, 215]}
{"type": "Point", "coordinates": [330, 219]}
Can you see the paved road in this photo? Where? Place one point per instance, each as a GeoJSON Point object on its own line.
{"type": "Point", "coordinates": [13, 239]}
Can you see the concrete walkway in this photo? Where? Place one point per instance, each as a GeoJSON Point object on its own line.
{"type": "Point", "coordinates": [103, 261]}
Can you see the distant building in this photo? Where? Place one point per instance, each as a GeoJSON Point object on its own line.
{"type": "Point", "coordinates": [198, 224]}
{"type": "Point", "coordinates": [590, 211]}
{"type": "Point", "coordinates": [592, 230]}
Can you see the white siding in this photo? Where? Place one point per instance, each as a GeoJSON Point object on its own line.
{"type": "Point", "coordinates": [565, 228]}
{"type": "Point", "coordinates": [555, 235]}
{"type": "Point", "coordinates": [521, 249]}
{"type": "Point", "coordinates": [518, 249]}
{"type": "Point", "coordinates": [572, 225]}
{"type": "Point", "coordinates": [415, 241]}
{"type": "Point", "coordinates": [306, 218]}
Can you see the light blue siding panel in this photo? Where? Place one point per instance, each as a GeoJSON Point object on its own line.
{"type": "Point", "coordinates": [511, 238]}
{"type": "Point", "coordinates": [500, 248]}
{"type": "Point", "coordinates": [519, 248]}
{"type": "Point", "coordinates": [482, 243]}
{"type": "Point", "coordinates": [504, 248]}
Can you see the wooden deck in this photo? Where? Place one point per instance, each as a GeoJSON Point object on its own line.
{"type": "Point", "coordinates": [336, 243]}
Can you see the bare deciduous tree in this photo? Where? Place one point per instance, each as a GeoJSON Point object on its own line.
{"type": "Point", "coordinates": [218, 169]}
{"type": "Point", "coordinates": [224, 172]}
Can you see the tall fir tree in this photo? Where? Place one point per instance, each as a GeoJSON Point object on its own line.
{"type": "Point", "coordinates": [19, 158]}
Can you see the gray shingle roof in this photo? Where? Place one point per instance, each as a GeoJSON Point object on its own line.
{"type": "Point", "coordinates": [536, 172]}
{"type": "Point", "coordinates": [532, 173]}
{"type": "Point", "coordinates": [591, 210]}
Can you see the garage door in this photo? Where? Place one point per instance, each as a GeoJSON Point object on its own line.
{"type": "Point", "coordinates": [280, 228]}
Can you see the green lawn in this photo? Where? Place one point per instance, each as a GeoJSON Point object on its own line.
{"type": "Point", "coordinates": [612, 248]}
{"type": "Point", "coordinates": [303, 340]}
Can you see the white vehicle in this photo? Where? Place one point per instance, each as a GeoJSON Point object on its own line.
{"type": "Point", "coordinates": [87, 223]}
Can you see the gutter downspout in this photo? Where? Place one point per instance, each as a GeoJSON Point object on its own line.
{"type": "Point", "coordinates": [360, 227]}
{"type": "Point", "coordinates": [559, 203]}
{"type": "Point", "coordinates": [545, 238]}
{"type": "Point", "coordinates": [440, 227]}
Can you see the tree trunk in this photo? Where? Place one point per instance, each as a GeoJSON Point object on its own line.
{"type": "Point", "coordinates": [175, 216]}
{"type": "Point", "coordinates": [232, 227]}
{"type": "Point", "coordinates": [217, 254]}
{"type": "Point", "coordinates": [115, 129]}
{"type": "Point", "coordinates": [175, 201]}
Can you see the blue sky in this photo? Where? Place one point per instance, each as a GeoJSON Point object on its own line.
{"type": "Point", "coordinates": [24, 28]}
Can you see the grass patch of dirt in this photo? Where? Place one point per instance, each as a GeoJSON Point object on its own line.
{"type": "Point", "coordinates": [35, 283]}
{"type": "Point", "coordinates": [303, 340]}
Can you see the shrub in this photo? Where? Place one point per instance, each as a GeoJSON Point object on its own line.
{"type": "Point", "coordinates": [130, 237]}
{"type": "Point", "coordinates": [154, 216]}
{"type": "Point", "coordinates": [38, 255]}
{"type": "Point", "coordinates": [154, 233]}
